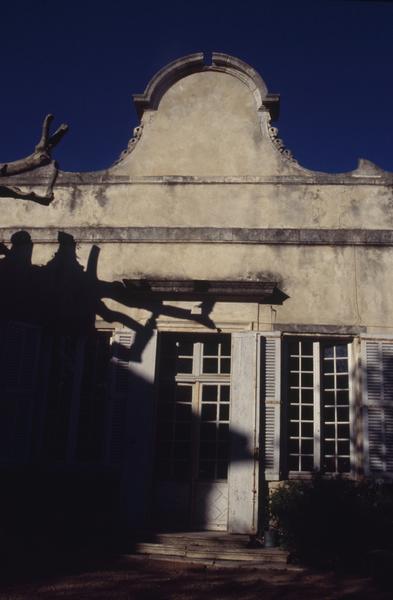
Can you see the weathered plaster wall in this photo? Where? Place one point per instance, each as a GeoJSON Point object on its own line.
{"type": "Point", "coordinates": [325, 285]}
{"type": "Point", "coordinates": [206, 158]}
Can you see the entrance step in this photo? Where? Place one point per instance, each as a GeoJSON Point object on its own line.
{"type": "Point", "coordinates": [212, 548]}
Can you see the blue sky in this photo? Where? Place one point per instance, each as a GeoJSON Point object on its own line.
{"type": "Point", "coordinates": [331, 61]}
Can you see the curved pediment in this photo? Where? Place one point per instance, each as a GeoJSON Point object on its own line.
{"type": "Point", "coordinates": [201, 119]}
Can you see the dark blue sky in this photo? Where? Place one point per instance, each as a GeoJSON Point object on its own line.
{"type": "Point", "coordinates": [331, 61]}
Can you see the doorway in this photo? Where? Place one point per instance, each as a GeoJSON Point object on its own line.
{"type": "Point", "coordinates": [193, 432]}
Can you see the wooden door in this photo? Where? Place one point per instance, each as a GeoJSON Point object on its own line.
{"type": "Point", "coordinates": [192, 444]}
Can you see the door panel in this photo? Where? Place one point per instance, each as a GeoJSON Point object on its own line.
{"type": "Point", "coordinates": [192, 448]}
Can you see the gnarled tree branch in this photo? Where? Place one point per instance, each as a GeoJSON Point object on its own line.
{"type": "Point", "coordinates": [39, 158]}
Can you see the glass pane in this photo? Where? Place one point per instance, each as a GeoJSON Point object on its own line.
{"type": "Point", "coordinates": [184, 365]}
{"type": "Point", "coordinates": [342, 366]}
{"type": "Point", "coordinates": [330, 431]}
{"type": "Point", "coordinates": [183, 431]}
{"type": "Point", "coordinates": [307, 430]}
{"type": "Point", "coordinates": [330, 414]}
{"type": "Point", "coordinates": [294, 412]}
{"type": "Point", "coordinates": [294, 429]}
{"type": "Point", "coordinates": [343, 413]}
{"type": "Point", "coordinates": [224, 412]}
{"type": "Point", "coordinates": [207, 451]}
{"type": "Point", "coordinates": [181, 450]}
{"type": "Point", "coordinates": [165, 411]}
{"type": "Point", "coordinates": [330, 465]}
{"type": "Point", "coordinates": [307, 463]}
{"type": "Point", "coordinates": [223, 433]}
{"type": "Point", "coordinates": [210, 365]}
{"type": "Point", "coordinates": [307, 397]}
{"type": "Point", "coordinates": [343, 431]}
{"type": "Point", "coordinates": [165, 430]}
{"type": "Point", "coordinates": [307, 446]}
{"type": "Point", "coordinates": [294, 396]}
{"type": "Point", "coordinates": [184, 348]}
{"type": "Point", "coordinates": [307, 348]}
{"type": "Point", "coordinates": [183, 412]}
{"type": "Point", "coordinates": [307, 379]}
{"type": "Point", "coordinates": [225, 365]}
{"type": "Point", "coordinates": [224, 393]}
{"type": "Point", "coordinates": [210, 347]}
{"type": "Point", "coordinates": [206, 469]}
{"type": "Point", "coordinates": [208, 431]}
{"type": "Point", "coordinates": [342, 397]}
{"type": "Point", "coordinates": [343, 447]}
{"type": "Point", "coordinates": [222, 470]}
{"type": "Point", "coordinates": [341, 350]}
{"type": "Point", "coordinates": [294, 363]}
{"type": "Point", "coordinates": [226, 346]}
{"type": "Point", "coordinates": [328, 382]}
{"type": "Point", "coordinates": [181, 470]}
{"type": "Point", "coordinates": [328, 351]}
{"type": "Point", "coordinates": [184, 393]}
{"type": "Point", "coordinates": [342, 381]}
{"type": "Point", "coordinates": [293, 463]}
{"type": "Point", "coordinates": [307, 413]}
{"type": "Point", "coordinates": [328, 366]}
{"type": "Point", "coordinates": [330, 447]}
{"type": "Point", "coordinates": [209, 412]}
{"type": "Point", "coordinates": [294, 379]}
{"type": "Point", "coordinates": [209, 393]}
{"type": "Point", "coordinates": [166, 392]}
{"type": "Point", "coordinates": [343, 465]}
{"type": "Point", "coordinates": [307, 364]}
{"type": "Point", "coordinates": [329, 398]}
{"type": "Point", "coordinates": [294, 347]}
{"type": "Point", "coordinates": [168, 362]}
{"type": "Point", "coordinates": [223, 451]}
{"type": "Point", "coordinates": [294, 446]}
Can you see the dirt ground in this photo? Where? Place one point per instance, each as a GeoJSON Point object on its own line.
{"type": "Point", "coordinates": [143, 579]}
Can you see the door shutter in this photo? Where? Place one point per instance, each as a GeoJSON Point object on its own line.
{"type": "Point", "coordinates": [119, 391]}
{"type": "Point", "coordinates": [19, 356]}
{"type": "Point", "coordinates": [377, 359]}
{"type": "Point", "coordinates": [271, 415]}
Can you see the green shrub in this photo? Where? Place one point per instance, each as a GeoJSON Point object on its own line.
{"type": "Point", "coordinates": [334, 522]}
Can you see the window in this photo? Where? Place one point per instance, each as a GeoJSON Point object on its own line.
{"type": "Point", "coordinates": [319, 405]}
{"type": "Point", "coordinates": [193, 407]}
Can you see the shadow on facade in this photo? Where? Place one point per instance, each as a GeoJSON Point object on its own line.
{"type": "Point", "coordinates": [76, 453]}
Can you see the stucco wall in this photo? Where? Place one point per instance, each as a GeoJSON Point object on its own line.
{"type": "Point", "coordinates": [207, 158]}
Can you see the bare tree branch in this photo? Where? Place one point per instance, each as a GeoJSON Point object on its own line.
{"type": "Point", "coordinates": [39, 158]}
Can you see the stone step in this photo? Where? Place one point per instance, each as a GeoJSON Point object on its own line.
{"type": "Point", "coordinates": [208, 552]}
{"type": "Point", "coordinates": [205, 538]}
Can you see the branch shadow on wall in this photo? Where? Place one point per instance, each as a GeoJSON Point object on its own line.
{"type": "Point", "coordinates": [70, 466]}
{"type": "Point", "coordinates": [62, 297]}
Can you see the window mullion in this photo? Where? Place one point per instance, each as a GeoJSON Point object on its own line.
{"type": "Point", "coordinates": [197, 359]}
{"type": "Point", "coordinates": [317, 405]}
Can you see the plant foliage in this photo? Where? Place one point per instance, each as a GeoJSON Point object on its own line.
{"type": "Point", "coordinates": [334, 522]}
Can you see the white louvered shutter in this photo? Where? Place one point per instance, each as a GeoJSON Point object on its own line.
{"type": "Point", "coordinates": [271, 416]}
{"type": "Point", "coordinates": [19, 358]}
{"type": "Point", "coordinates": [119, 392]}
{"type": "Point", "coordinates": [377, 359]}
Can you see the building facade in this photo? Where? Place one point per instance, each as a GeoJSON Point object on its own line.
{"type": "Point", "coordinates": [206, 316]}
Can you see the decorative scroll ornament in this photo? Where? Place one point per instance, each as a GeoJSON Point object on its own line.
{"type": "Point", "coordinates": [279, 144]}
{"type": "Point", "coordinates": [131, 144]}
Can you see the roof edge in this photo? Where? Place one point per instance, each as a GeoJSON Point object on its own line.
{"type": "Point", "coordinates": [198, 62]}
